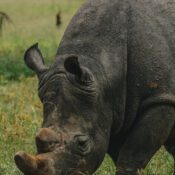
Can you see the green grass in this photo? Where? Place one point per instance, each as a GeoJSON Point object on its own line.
{"type": "Point", "coordinates": [20, 108]}
{"type": "Point", "coordinates": [33, 21]}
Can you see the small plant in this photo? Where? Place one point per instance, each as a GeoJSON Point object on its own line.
{"type": "Point", "coordinates": [3, 17]}
{"type": "Point", "coordinates": [58, 19]}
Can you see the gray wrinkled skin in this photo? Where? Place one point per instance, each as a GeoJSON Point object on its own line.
{"type": "Point", "coordinates": [111, 89]}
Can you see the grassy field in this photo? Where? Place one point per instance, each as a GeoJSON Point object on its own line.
{"type": "Point", "coordinates": [20, 109]}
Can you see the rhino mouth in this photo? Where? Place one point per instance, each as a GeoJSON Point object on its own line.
{"type": "Point", "coordinates": [47, 164]}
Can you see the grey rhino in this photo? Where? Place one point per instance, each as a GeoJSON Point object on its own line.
{"type": "Point", "coordinates": [111, 89]}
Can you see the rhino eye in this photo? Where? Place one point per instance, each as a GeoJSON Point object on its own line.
{"type": "Point", "coordinates": [48, 108]}
{"type": "Point", "coordinates": [50, 96]}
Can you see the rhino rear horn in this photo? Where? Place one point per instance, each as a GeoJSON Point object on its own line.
{"type": "Point", "coordinates": [34, 59]}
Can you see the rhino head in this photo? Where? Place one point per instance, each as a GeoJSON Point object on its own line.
{"type": "Point", "coordinates": [74, 136]}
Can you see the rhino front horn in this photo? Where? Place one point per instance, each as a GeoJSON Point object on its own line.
{"type": "Point", "coordinates": [26, 163]}
{"type": "Point", "coordinates": [34, 165]}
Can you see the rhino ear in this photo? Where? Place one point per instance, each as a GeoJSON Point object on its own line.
{"type": "Point", "coordinates": [34, 59]}
{"type": "Point", "coordinates": [73, 66]}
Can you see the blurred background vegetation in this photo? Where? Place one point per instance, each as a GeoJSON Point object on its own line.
{"type": "Point", "coordinates": [20, 109]}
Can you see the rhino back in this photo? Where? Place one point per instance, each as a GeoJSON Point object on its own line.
{"type": "Point", "coordinates": [134, 42]}
{"type": "Point", "coordinates": [151, 41]}
{"type": "Point", "coordinates": [99, 31]}
{"type": "Point", "coordinates": [151, 56]}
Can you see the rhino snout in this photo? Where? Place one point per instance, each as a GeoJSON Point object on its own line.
{"type": "Point", "coordinates": [47, 140]}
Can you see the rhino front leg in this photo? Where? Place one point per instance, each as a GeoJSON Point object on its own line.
{"type": "Point", "coordinates": [146, 137]}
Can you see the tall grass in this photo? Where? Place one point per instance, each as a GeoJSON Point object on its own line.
{"type": "Point", "coordinates": [20, 108]}
{"type": "Point", "coordinates": [33, 21]}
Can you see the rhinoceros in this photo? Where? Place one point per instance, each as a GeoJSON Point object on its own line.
{"type": "Point", "coordinates": [111, 89]}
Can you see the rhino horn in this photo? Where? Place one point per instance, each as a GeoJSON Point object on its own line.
{"type": "Point", "coordinates": [34, 165]}
{"type": "Point", "coordinates": [26, 163]}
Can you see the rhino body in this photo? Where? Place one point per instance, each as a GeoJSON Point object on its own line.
{"type": "Point", "coordinates": [111, 89]}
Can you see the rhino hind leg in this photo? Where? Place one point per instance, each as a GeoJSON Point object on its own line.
{"type": "Point", "coordinates": [146, 138]}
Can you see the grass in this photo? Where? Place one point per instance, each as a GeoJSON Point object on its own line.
{"type": "Point", "coordinates": [33, 21]}
{"type": "Point", "coordinates": [19, 120]}
{"type": "Point", "coordinates": [20, 108]}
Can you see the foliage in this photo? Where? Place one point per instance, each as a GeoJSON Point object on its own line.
{"type": "Point", "coordinates": [3, 18]}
